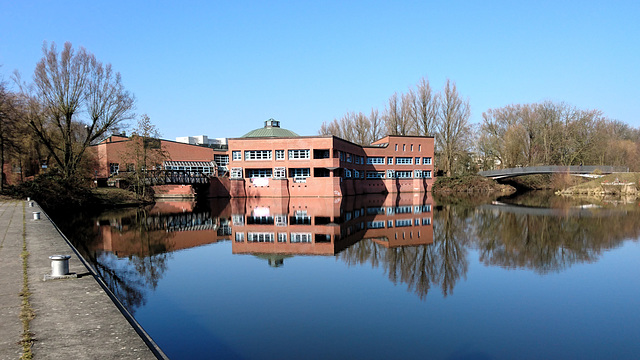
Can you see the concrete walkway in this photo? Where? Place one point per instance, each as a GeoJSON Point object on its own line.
{"type": "Point", "coordinates": [74, 318]}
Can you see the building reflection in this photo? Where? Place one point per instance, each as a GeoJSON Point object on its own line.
{"type": "Point", "coordinates": [327, 226]}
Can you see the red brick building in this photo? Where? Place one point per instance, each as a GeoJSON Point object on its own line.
{"type": "Point", "coordinates": [277, 162]}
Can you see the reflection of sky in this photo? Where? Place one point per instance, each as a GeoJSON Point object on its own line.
{"type": "Point", "coordinates": [318, 307]}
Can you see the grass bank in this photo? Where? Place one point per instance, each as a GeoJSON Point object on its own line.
{"type": "Point", "coordinates": [469, 184]}
{"type": "Point", "coordinates": [618, 183]}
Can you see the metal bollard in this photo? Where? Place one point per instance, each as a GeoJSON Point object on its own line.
{"type": "Point", "coordinates": [28, 199]}
{"type": "Point", "coordinates": [30, 203]}
{"type": "Point", "coordinates": [59, 265]}
{"type": "Point", "coordinates": [36, 215]}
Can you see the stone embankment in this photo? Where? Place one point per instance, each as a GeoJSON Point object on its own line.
{"type": "Point", "coordinates": [74, 317]}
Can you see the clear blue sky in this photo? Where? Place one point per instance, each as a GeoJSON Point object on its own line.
{"type": "Point", "coordinates": [222, 68]}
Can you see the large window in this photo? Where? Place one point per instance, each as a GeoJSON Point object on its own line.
{"type": "Point", "coordinates": [257, 155]}
{"type": "Point", "coordinates": [253, 173]}
{"type": "Point", "coordinates": [279, 154]}
{"type": "Point", "coordinates": [221, 160]}
{"type": "Point", "coordinates": [298, 154]}
{"type": "Point", "coordinates": [301, 237]}
{"type": "Point", "coordinates": [299, 172]}
{"type": "Point", "coordinates": [375, 174]}
{"type": "Point", "coordinates": [404, 174]}
{"type": "Point", "coordinates": [404, 161]}
{"type": "Point", "coordinates": [426, 161]}
{"type": "Point", "coordinates": [114, 168]}
{"type": "Point", "coordinates": [375, 160]}
{"type": "Point", "coordinates": [260, 237]}
{"type": "Point", "coordinates": [427, 174]}
{"type": "Point", "coordinates": [236, 155]}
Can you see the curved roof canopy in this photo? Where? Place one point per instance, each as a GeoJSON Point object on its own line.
{"type": "Point", "coordinates": [271, 129]}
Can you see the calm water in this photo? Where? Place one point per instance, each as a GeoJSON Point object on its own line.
{"type": "Point", "coordinates": [411, 277]}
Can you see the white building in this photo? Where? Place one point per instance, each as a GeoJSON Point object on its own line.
{"type": "Point", "coordinates": [202, 140]}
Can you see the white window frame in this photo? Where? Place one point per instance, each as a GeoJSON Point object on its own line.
{"type": "Point", "coordinates": [404, 161]}
{"type": "Point", "coordinates": [253, 155]}
{"type": "Point", "coordinates": [279, 173]}
{"type": "Point", "coordinates": [426, 161]}
{"type": "Point", "coordinates": [390, 160]}
{"type": "Point", "coordinates": [404, 174]}
{"type": "Point", "coordinates": [426, 174]}
{"type": "Point", "coordinates": [260, 237]}
{"type": "Point", "coordinates": [417, 162]}
{"type": "Point", "coordinates": [299, 154]}
{"type": "Point", "coordinates": [301, 173]}
{"type": "Point", "coordinates": [235, 173]}
{"type": "Point", "coordinates": [375, 174]}
{"type": "Point", "coordinates": [301, 238]}
{"type": "Point", "coordinates": [279, 154]}
{"type": "Point", "coordinates": [375, 160]}
{"type": "Point", "coordinates": [236, 155]}
{"type": "Point", "coordinates": [259, 173]}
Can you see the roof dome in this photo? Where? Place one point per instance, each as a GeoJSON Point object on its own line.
{"type": "Point", "coordinates": [271, 129]}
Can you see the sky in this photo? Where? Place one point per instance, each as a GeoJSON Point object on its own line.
{"type": "Point", "coordinates": [221, 68]}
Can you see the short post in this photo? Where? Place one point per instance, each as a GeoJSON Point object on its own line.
{"type": "Point", "coordinates": [28, 198]}
{"type": "Point", "coordinates": [59, 265]}
{"type": "Point", "coordinates": [30, 203]}
{"type": "Point", "coordinates": [36, 215]}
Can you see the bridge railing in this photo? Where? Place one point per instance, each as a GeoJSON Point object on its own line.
{"type": "Point", "coordinates": [574, 169]}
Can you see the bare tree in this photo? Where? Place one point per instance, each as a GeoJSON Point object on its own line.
{"type": "Point", "coordinates": [74, 101]}
{"type": "Point", "coordinates": [377, 125]}
{"type": "Point", "coordinates": [145, 152]}
{"type": "Point", "coordinates": [453, 129]}
{"type": "Point", "coordinates": [426, 108]}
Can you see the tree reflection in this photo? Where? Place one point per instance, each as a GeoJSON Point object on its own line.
{"type": "Point", "coordinates": [549, 243]}
{"type": "Point", "coordinates": [138, 237]}
{"type": "Point", "coordinates": [441, 263]}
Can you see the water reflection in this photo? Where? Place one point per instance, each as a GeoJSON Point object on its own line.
{"type": "Point", "coordinates": [419, 242]}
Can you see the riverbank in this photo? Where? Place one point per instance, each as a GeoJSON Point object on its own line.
{"type": "Point", "coordinates": [63, 318]}
{"type": "Point", "coordinates": [611, 184]}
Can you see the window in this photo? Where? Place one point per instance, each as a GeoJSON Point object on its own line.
{"type": "Point", "coordinates": [282, 237]}
{"type": "Point", "coordinates": [403, 222]}
{"type": "Point", "coordinates": [375, 160]}
{"type": "Point", "coordinates": [298, 154]}
{"type": "Point", "coordinates": [237, 219]}
{"type": "Point", "coordinates": [260, 237]}
{"type": "Point", "coordinates": [404, 161]}
{"type": "Point", "coordinates": [396, 147]}
{"type": "Point", "coordinates": [341, 156]}
{"type": "Point", "coordinates": [131, 167]}
{"type": "Point", "coordinates": [427, 174]}
{"type": "Point", "coordinates": [411, 147]}
{"type": "Point", "coordinates": [235, 173]}
{"type": "Point", "coordinates": [375, 174]}
{"type": "Point", "coordinates": [239, 237]}
{"type": "Point", "coordinates": [404, 147]}
{"type": "Point", "coordinates": [114, 168]}
{"type": "Point", "coordinates": [279, 154]}
{"type": "Point", "coordinates": [257, 155]}
{"type": "Point", "coordinates": [221, 160]}
{"type": "Point", "coordinates": [299, 173]}
{"type": "Point", "coordinates": [349, 158]}
{"type": "Point", "coordinates": [375, 224]}
{"type": "Point", "coordinates": [417, 160]}
{"type": "Point", "coordinates": [300, 237]}
{"type": "Point", "coordinates": [404, 174]}
{"type": "Point", "coordinates": [426, 221]}
{"type": "Point", "coordinates": [427, 161]}
{"type": "Point", "coordinates": [279, 173]}
{"type": "Point", "coordinates": [419, 147]}
{"type": "Point", "coordinates": [391, 174]}
{"type": "Point", "coordinates": [390, 160]}
{"type": "Point", "coordinates": [281, 220]}
{"type": "Point", "coordinates": [347, 173]}
{"type": "Point", "coordinates": [417, 174]}
{"type": "Point", "coordinates": [236, 155]}
{"type": "Point", "coordinates": [258, 173]}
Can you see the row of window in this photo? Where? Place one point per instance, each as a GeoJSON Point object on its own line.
{"type": "Point", "coordinates": [270, 237]}
{"type": "Point", "coordinates": [404, 147]}
{"type": "Point", "coordinates": [302, 154]}
{"type": "Point", "coordinates": [301, 173]}
{"type": "Point", "coordinates": [305, 154]}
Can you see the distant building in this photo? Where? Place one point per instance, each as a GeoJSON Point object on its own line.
{"type": "Point", "coordinates": [203, 140]}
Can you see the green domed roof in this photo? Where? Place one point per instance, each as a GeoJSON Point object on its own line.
{"type": "Point", "coordinates": [271, 129]}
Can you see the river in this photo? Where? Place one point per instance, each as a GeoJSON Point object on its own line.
{"type": "Point", "coordinates": [532, 276]}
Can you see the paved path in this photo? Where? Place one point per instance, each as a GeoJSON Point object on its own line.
{"type": "Point", "coordinates": [75, 318]}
